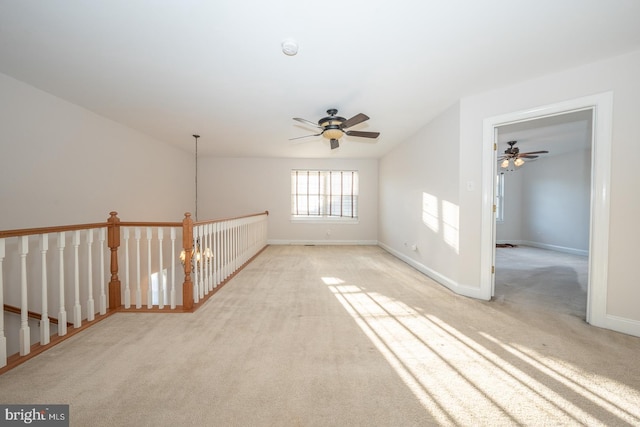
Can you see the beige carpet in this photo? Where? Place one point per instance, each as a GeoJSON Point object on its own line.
{"type": "Point", "coordinates": [338, 336]}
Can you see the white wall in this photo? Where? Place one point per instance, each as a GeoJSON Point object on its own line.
{"type": "Point", "coordinates": [438, 158]}
{"type": "Point", "coordinates": [547, 203]}
{"type": "Point", "coordinates": [618, 75]}
{"type": "Point", "coordinates": [61, 164]}
{"type": "Point", "coordinates": [557, 196]}
{"type": "Point", "coordinates": [419, 199]}
{"type": "Point", "coordinates": [237, 186]}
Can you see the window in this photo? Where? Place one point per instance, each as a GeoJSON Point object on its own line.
{"type": "Point", "coordinates": [500, 197]}
{"type": "Point", "coordinates": [317, 194]}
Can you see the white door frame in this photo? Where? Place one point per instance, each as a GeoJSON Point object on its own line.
{"type": "Point", "coordinates": [602, 106]}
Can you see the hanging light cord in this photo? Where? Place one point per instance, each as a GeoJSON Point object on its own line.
{"type": "Point", "coordinates": [196, 137]}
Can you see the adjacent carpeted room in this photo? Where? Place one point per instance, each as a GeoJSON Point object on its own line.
{"type": "Point", "coordinates": [541, 281]}
{"type": "Point", "coordinates": [340, 335]}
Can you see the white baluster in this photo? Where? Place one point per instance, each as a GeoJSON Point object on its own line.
{"type": "Point", "coordinates": [91, 309]}
{"type": "Point", "coordinates": [3, 338]}
{"type": "Point", "coordinates": [102, 235]}
{"type": "Point", "coordinates": [160, 269]}
{"type": "Point", "coordinates": [173, 268]}
{"type": "Point", "coordinates": [239, 248]}
{"type": "Point", "coordinates": [231, 247]}
{"type": "Point", "coordinates": [77, 308]}
{"type": "Point", "coordinates": [249, 228]}
{"type": "Point", "coordinates": [227, 249]}
{"type": "Point", "coordinates": [196, 278]}
{"type": "Point", "coordinates": [149, 290]}
{"type": "Point", "coordinates": [245, 241]}
{"type": "Point", "coordinates": [221, 254]}
{"type": "Point", "coordinates": [223, 251]}
{"type": "Point", "coordinates": [264, 231]}
{"type": "Point", "coordinates": [209, 260]}
{"type": "Point", "coordinates": [25, 334]}
{"type": "Point", "coordinates": [249, 239]}
{"type": "Point", "coordinates": [139, 284]}
{"type": "Point", "coordinates": [127, 284]}
{"type": "Point", "coordinates": [44, 318]}
{"type": "Point", "coordinates": [216, 254]}
{"type": "Point", "coordinates": [238, 245]}
{"type": "Point", "coordinates": [260, 233]}
{"type": "Point", "coordinates": [202, 261]}
{"type": "Point", "coordinates": [235, 246]}
{"type": "Point", "coordinates": [254, 236]}
{"type": "Point", "coordinates": [242, 245]}
{"type": "Point", "coordinates": [62, 313]}
{"type": "Point", "coordinates": [252, 240]}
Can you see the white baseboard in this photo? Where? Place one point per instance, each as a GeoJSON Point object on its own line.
{"type": "Point", "coordinates": [566, 250]}
{"type": "Point", "coordinates": [468, 291]}
{"type": "Point", "coordinates": [620, 324]}
{"type": "Point", "coordinates": [322, 242]}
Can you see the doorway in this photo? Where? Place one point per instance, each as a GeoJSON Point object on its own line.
{"type": "Point", "coordinates": [543, 212]}
{"type": "Point", "coordinates": [601, 108]}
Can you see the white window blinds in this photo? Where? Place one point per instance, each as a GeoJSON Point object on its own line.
{"type": "Point", "coordinates": [324, 194]}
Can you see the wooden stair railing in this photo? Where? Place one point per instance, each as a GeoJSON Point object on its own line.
{"type": "Point", "coordinates": [235, 241]}
{"type": "Point", "coordinates": [113, 241]}
{"type": "Point", "coordinates": [31, 314]}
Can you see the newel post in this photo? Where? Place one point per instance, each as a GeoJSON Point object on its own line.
{"type": "Point", "coordinates": [187, 245]}
{"type": "Point", "coordinates": [113, 241]}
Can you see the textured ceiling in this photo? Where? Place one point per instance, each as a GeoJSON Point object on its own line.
{"type": "Point", "coordinates": [173, 68]}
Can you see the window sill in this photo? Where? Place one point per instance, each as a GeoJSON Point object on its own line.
{"type": "Point", "coordinates": [324, 220]}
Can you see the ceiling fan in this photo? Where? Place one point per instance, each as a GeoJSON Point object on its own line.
{"type": "Point", "coordinates": [334, 127]}
{"type": "Point", "coordinates": [513, 154]}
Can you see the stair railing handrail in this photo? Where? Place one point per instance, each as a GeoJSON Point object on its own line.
{"type": "Point", "coordinates": [237, 243]}
{"type": "Point", "coordinates": [213, 221]}
{"type": "Point", "coordinates": [48, 230]}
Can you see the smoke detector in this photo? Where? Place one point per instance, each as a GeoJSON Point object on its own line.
{"type": "Point", "coordinates": [289, 47]}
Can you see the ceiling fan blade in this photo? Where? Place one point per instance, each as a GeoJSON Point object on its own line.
{"type": "Point", "coordinates": [527, 156]}
{"type": "Point", "coordinates": [307, 122]}
{"type": "Point", "coordinates": [363, 134]}
{"type": "Point", "coordinates": [335, 144]}
{"type": "Point", "coordinates": [306, 136]}
{"type": "Point", "coordinates": [358, 118]}
{"type": "Point", "coordinates": [534, 152]}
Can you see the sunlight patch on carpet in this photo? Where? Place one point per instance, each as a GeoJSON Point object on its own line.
{"type": "Point", "coordinates": [465, 379]}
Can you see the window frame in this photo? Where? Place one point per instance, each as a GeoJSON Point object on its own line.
{"type": "Point", "coordinates": [325, 195]}
{"type": "Point", "coordinates": [500, 177]}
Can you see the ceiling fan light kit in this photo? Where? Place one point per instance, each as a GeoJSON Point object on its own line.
{"type": "Point", "coordinates": [513, 154]}
{"type": "Point", "coordinates": [334, 127]}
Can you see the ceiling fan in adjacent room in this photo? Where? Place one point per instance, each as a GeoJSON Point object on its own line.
{"type": "Point", "coordinates": [333, 127]}
{"type": "Point", "coordinates": [513, 156]}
